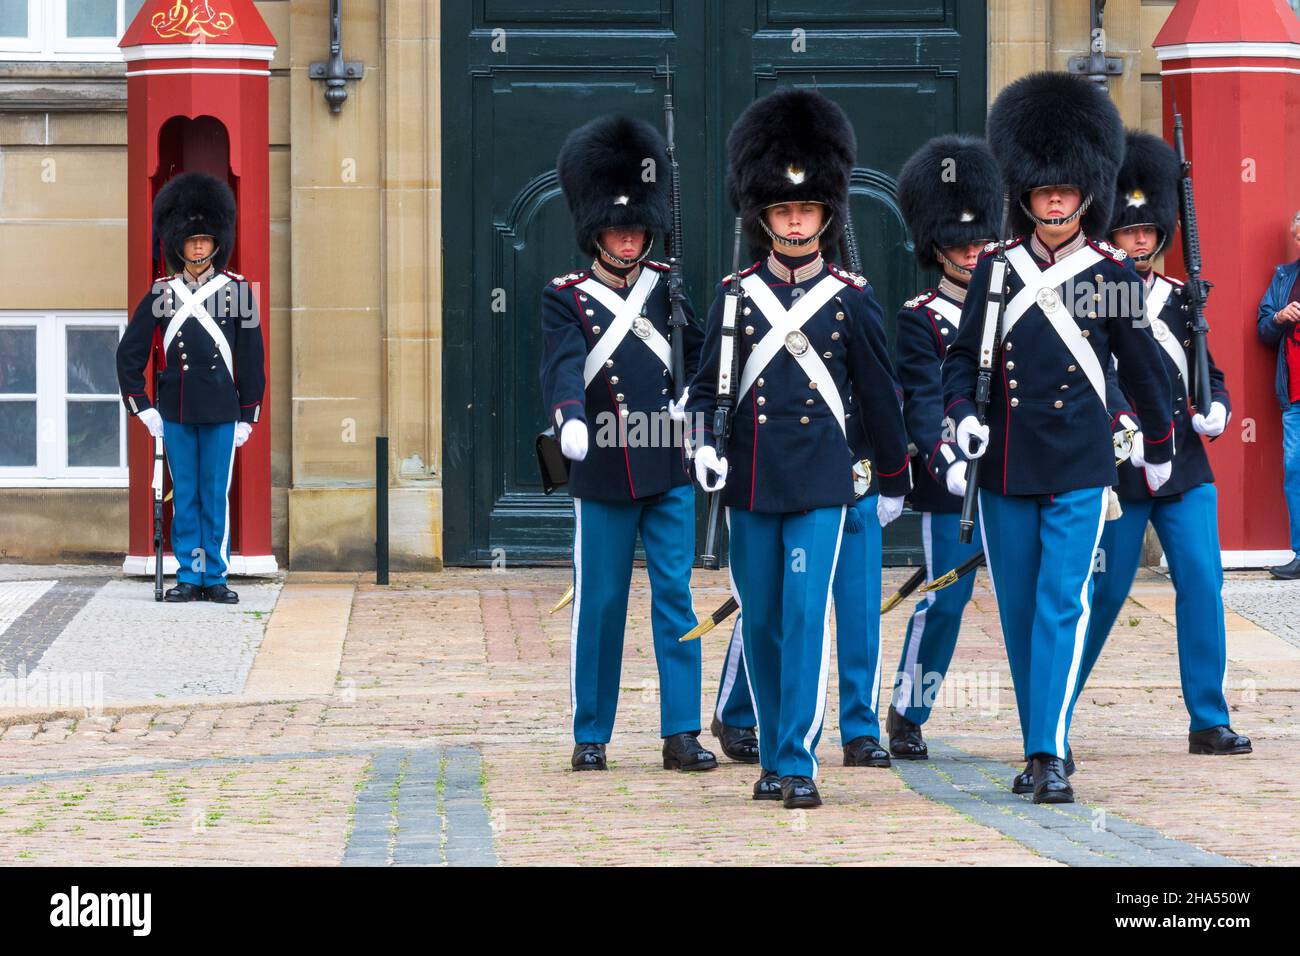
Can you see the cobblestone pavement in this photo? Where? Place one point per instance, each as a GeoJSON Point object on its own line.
{"type": "Point", "coordinates": [446, 742]}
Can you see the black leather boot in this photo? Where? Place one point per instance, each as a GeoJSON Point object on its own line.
{"type": "Point", "coordinates": [800, 793]}
{"type": "Point", "coordinates": [1051, 783]}
{"type": "Point", "coordinates": [738, 743]}
{"type": "Point", "coordinates": [183, 592]}
{"type": "Point", "coordinates": [588, 757]}
{"type": "Point", "coordinates": [220, 594]}
{"type": "Point", "coordinates": [1287, 572]}
{"type": "Point", "coordinates": [768, 786]}
{"type": "Point", "coordinates": [905, 739]}
{"type": "Point", "coordinates": [683, 752]}
{"type": "Point", "coordinates": [1217, 741]}
{"type": "Point", "coordinates": [865, 752]}
{"type": "Point", "coordinates": [1024, 781]}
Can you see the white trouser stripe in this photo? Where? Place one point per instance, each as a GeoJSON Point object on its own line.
{"type": "Point", "coordinates": [902, 696]}
{"type": "Point", "coordinates": [740, 611]}
{"type": "Point", "coordinates": [735, 649]}
{"type": "Point", "coordinates": [823, 674]}
{"type": "Point", "coordinates": [225, 531]}
{"type": "Point", "coordinates": [1080, 632]}
{"type": "Point", "coordinates": [576, 606]}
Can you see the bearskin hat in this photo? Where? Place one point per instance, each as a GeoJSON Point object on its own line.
{"type": "Point", "coordinates": [1147, 187]}
{"type": "Point", "coordinates": [793, 145]}
{"type": "Point", "coordinates": [950, 194]}
{"type": "Point", "coordinates": [607, 182]}
{"type": "Point", "coordinates": [1051, 129]}
{"type": "Point", "coordinates": [194, 204]}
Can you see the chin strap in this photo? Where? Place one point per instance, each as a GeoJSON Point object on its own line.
{"type": "Point", "coordinates": [1147, 257]}
{"type": "Point", "coordinates": [1058, 220]}
{"type": "Point", "coordinates": [619, 260]}
{"type": "Point", "coordinates": [797, 243]}
{"type": "Point", "coordinates": [960, 270]}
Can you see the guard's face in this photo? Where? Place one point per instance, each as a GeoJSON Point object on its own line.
{"type": "Point", "coordinates": [795, 220]}
{"type": "Point", "coordinates": [625, 242]}
{"type": "Point", "coordinates": [1136, 240]}
{"type": "Point", "coordinates": [1054, 202]}
{"type": "Point", "coordinates": [965, 256]}
{"type": "Point", "coordinates": [198, 247]}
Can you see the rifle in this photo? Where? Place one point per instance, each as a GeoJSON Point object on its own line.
{"type": "Point", "coordinates": [157, 486]}
{"type": "Point", "coordinates": [728, 371]}
{"type": "Point", "coordinates": [1196, 288]}
{"type": "Point", "coordinates": [852, 258]}
{"type": "Point", "coordinates": [995, 303]}
{"type": "Point", "coordinates": [676, 292]}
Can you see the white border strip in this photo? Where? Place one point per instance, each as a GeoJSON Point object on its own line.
{"type": "Point", "coordinates": [1238, 560]}
{"type": "Point", "coordinates": [1231, 69]}
{"type": "Point", "coordinates": [240, 565]}
{"type": "Point", "coordinates": [198, 51]}
{"type": "Point", "coordinates": [131, 73]}
{"type": "Point", "coordinates": [1197, 51]}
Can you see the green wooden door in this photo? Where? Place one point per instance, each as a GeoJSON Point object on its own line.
{"type": "Point", "coordinates": [518, 75]}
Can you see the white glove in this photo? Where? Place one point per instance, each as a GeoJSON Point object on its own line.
{"type": "Point", "coordinates": [677, 409]}
{"type": "Point", "coordinates": [152, 421]}
{"type": "Point", "coordinates": [573, 439]}
{"type": "Point", "coordinates": [887, 509]}
{"type": "Point", "coordinates": [242, 431]}
{"type": "Point", "coordinates": [1137, 457]}
{"type": "Point", "coordinates": [956, 479]}
{"type": "Point", "coordinates": [706, 462]}
{"type": "Point", "coordinates": [968, 429]}
{"type": "Point", "coordinates": [1157, 475]}
{"type": "Point", "coordinates": [1212, 424]}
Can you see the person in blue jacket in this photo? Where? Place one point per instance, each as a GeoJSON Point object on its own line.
{"type": "Point", "coordinates": [950, 194]}
{"type": "Point", "coordinates": [1279, 326]}
{"type": "Point", "coordinates": [1185, 509]}
{"type": "Point", "coordinates": [1073, 301]}
{"type": "Point", "coordinates": [812, 352]}
{"type": "Point", "coordinates": [607, 384]}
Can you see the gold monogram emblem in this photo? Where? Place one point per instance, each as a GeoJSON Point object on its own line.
{"type": "Point", "coordinates": [194, 20]}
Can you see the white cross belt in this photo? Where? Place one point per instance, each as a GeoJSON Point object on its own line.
{"type": "Point", "coordinates": [192, 304]}
{"type": "Point", "coordinates": [625, 312]}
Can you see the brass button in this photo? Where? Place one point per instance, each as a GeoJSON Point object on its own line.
{"type": "Point", "coordinates": [1015, 402]}
{"type": "Point", "coordinates": [1071, 368]}
{"type": "Point", "coordinates": [1186, 342]}
{"type": "Point", "coordinates": [1007, 346]}
{"type": "Point", "coordinates": [762, 400]}
{"type": "Point", "coordinates": [185, 368]}
{"type": "Point", "coordinates": [1098, 277]}
{"type": "Point", "coordinates": [1084, 333]}
{"type": "Point", "coordinates": [1092, 315]}
{"type": "Point", "coordinates": [835, 336]}
{"type": "Point", "coordinates": [1064, 387]}
{"type": "Point", "coordinates": [613, 380]}
{"type": "Point", "coordinates": [591, 311]}
{"type": "Point", "coordinates": [609, 363]}
{"type": "Point", "coordinates": [809, 401]}
{"type": "Point", "coordinates": [663, 391]}
{"type": "Point", "coordinates": [212, 368]}
{"type": "Point", "coordinates": [618, 397]}
{"type": "Point", "coordinates": [1058, 404]}
{"type": "Point", "coordinates": [1011, 366]}
{"type": "Point", "coordinates": [803, 420]}
{"type": "Point", "coordinates": [1096, 297]}
{"type": "Point", "coordinates": [223, 321]}
{"type": "Point", "coordinates": [1013, 383]}
{"type": "Point", "coordinates": [826, 355]}
{"type": "Point", "coordinates": [945, 330]}
{"type": "Point", "coordinates": [760, 383]}
{"type": "Point", "coordinates": [762, 419]}
{"type": "Point", "coordinates": [748, 310]}
{"type": "Point", "coordinates": [595, 330]}
{"type": "Point", "coordinates": [839, 316]}
{"type": "Point", "coordinates": [813, 386]}
{"type": "Point", "coordinates": [749, 330]}
{"type": "Point", "coordinates": [582, 297]}
{"type": "Point", "coordinates": [183, 355]}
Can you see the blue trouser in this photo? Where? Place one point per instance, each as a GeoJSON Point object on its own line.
{"type": "Point", "coordinates": [200, 459]}
{"type": "Point", "coordinates": [857, 638]}
{"type": "Point", "coordinates": [604, 543]}
{"type": "Point", "coordinates": [1188, 528]}
{"type": "Point", "coordinates": [783, 566]}
{"type": "Point", "coordinates": [1040, 556]}
{"type": "Point", "coordinates": [1291, 469]}
{"type": "Point", "coordinates": [932, 631]}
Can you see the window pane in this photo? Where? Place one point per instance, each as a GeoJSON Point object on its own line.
{"type": "Point", "coordinates": [17, 359]}
{"type": "Point", "coordinates": [92, 365]}
{"type": "Point", "coordinates": [17, 434]}
{"type": "Point", "coordinates": [92, 434]}
{"type": "Point", "coordinates": [131, 9]}
{"type": "Point", "coordinates": [13, 18]}
{"type": "Point", "coordinates": [92, 18]}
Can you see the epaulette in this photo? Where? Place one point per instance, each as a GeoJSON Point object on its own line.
{"type": "Point", "coordinates": [568, 279]}
{"type": "Point", "coordinates": [992, 246]}
{"type": "Point", "coordinates": [1176, 283]}
{"type": "Point", "coordinates": [233, 275]}
{"type": "Point", "coordinates": [1116, 253]}
{"type": "Point", "coordinates": [847, 277]}
{"type": "Point", "coordinates": [921, 299]}
{"type": "Point", "coordinates": [743, 272]}
{"type": "Point", "coordinates": [658, 266]}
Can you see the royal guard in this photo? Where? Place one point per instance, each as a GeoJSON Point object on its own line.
{"type": "Point", "coordinates": [950, 194]}
{"type": "Point", "coordinates": [1184, 510]}
{"type": "Point", "coordinates": [606, 381]}
{"type": "Point", "coordinates": [811, 363]}
{"type": "Point", "coordinates": [1069, 302]}
{"type": "Point", "coordinates": [210, 380]}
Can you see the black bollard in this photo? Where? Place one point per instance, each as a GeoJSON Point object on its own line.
{"type": "Point", "coordinates": [381, 509]}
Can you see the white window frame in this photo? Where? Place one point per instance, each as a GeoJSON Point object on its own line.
{"type": "Point", "coordinates": [52, 398]}
{"type": "Point", "coordinates": [48, 40]}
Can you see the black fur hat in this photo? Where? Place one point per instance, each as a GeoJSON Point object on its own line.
{"type": "Point", "coordinates": [793, 145]}
{"type": "Point", "coordinates": [603, 172]}
{"type": "Point", "coordinates": [1048, 129]}
{"type": "Point", "coordinates": [950, 194]}
{"type": "Point", "coordinates": [1147, 186]}
{"type": "Point", "coordinates": [194, 204]}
